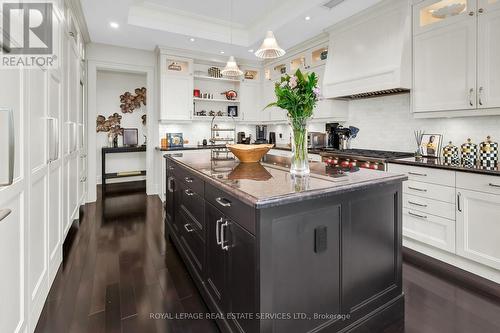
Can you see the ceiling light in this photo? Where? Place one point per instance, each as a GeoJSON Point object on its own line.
{"type": "Point", "coordinates": [191, 39]}
{"type": "Point", "coordinates": [269, 48]}
{"type": "Point", "coordinates": [307, 18]}
{"type": "Point", "coordinates": [114, 25]}
{"type": "Point", "coordinates": [231, 69]}
{"type": "Point", "coordinates": [221, 52]}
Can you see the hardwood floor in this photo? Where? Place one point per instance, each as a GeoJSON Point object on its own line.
{"type": "Point", "coordinates": [119, 271]}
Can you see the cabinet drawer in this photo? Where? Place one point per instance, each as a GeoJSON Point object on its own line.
{"type": "Point", "coordinates": [236, 210]}
{"type": "Point", "coordinates": [429, 229]}
{"type": "Point", "coordinates": [428, 175]}
{"type": "Point", "coordinates": [192, 243]}
{"type": "Point", "coordinates": [194, 206]}
{"type": "Point", "coordinates": [189, 179]}
{"type": "Point", "coordinates": [429, 191]}
{"type": "Point", "coordinates": [481, 183]}
{"type": "Point", "coordinates": [429, 206]}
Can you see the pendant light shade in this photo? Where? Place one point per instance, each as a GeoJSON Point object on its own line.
{"type": "Point", "coordinates": [269, 48]}
{"type": "Point", "coordinates": [231, 69]}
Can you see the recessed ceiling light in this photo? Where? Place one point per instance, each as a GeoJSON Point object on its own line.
{"type": "Point", "coordinates": [251, 50]}
{"type": "Point", "coordinates": [191, 39]}
{"type": "Point", "coordinates": [114, 25]}
{"type": "Point", "coordinates": [221, 52]}
{"type": "Point", "coordinates": [307, 18]}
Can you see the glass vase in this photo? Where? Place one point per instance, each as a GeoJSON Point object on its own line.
{"type": "Point", "coordinates": [300, 161]}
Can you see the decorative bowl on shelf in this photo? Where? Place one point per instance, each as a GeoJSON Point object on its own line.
{"type": "Point", "coordinates": [249, 153]}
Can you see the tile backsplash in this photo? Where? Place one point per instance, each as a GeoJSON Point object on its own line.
{"type": "Point", "coordinates": [385, 123]}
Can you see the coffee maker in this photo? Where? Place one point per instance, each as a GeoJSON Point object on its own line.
{"type": "Point", "coordinates": [330, 135]}
{"type": "Point", "coordinates": [272, 138]}
{"type": "Point", "coordinates": [261, 134]}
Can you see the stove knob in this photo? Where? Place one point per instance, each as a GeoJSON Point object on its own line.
{"type": "Point", "coordinates": [374, 166]}
{"type": "Point", "coordinates": [366, 165]}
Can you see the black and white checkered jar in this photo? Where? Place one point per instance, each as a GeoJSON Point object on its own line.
{"type": "Point", "coordinates": [488, 152]}
{"type": "Point", "coordinates": [451, 154]}
{"type": "Point", "coordinates": [469, 153]}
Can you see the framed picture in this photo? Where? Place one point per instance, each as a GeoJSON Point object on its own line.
{"type": "Point", "coordinates": [130, 137]}
{"type": "Point", "coordinates": [232, 111]}
{"type": "Point", "coordinates": [175, 140]}
{"type": "Point", "coordinates": [431, 145]}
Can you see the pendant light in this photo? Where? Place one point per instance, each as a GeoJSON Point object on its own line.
{"type": "Point", "coordinates": [231, 69]}
{"type": "Point", "coordinates": [270, 48]}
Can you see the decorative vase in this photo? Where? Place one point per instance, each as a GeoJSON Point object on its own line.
{"type": "Point", "coordinates": [300, 162]}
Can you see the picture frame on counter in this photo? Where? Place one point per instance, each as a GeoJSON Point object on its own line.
{"type": "Point", "coordinates": [130, 137]}
{"type": "Point", "coordinates": [431, 145]}
{"type": "Point", "coordinates": [232, 111]}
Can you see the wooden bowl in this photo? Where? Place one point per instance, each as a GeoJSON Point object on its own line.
{"type": "Point", "coordinates": [249, 153]}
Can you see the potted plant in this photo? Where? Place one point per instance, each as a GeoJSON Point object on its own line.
{"type": "Point", "coordinates": [298, 95]}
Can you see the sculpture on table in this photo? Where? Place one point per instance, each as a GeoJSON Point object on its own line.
{"type": "Point", "coordinates": [111, 126]}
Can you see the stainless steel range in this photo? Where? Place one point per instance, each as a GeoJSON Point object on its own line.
{"type": "Point", "coordinates": [360, 158]}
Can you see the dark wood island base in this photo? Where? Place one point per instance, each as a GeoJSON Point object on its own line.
{"type": "Point", "coordinates": [322, 260]}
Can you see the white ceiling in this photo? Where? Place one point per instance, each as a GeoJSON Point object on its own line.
{"type": "Point", "coordinates": [144, 24]}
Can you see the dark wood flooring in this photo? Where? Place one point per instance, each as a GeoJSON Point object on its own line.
{"type": "Point", "coordinates": [119, 270]}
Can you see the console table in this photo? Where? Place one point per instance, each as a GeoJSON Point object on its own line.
{"type": "Point", "coordinates": [119, 150]}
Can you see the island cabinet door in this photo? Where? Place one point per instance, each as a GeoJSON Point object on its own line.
{"type": "Point", "coordinates": [216, 265]}
{"type": "Point", "coordinates": [240, 245]}
{"type": "Point", "coordinates": [371, 250]}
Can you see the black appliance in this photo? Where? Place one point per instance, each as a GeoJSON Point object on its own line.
{"type": "Point", "coordinates": [360, 158]}
{"type": "Point", "coordinates": [261, 134]}
{"type": "Point", "coordinates": [272, 138]}
{"type": "Point", "coordinates": [330, 138]}
{"type": "Point", "coordinates": [337, 136]}
{"type": "Point", "coordinates": [241, 137]}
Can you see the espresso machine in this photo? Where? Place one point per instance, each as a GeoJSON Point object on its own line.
{"type": "Point", "coordinates": [338, 136]}
{"type": "Point", "coordinates": [261, 134]}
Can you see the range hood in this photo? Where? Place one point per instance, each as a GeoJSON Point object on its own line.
{"type": "Point", "coordinates": [369, 53]}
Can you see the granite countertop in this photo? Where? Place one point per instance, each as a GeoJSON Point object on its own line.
{"type": "Point", "coordinates": [192, 147]}
{"type": "Point", "coordinates": [270, 183]}
{"type": "Point", "coordinates": [441, 164]}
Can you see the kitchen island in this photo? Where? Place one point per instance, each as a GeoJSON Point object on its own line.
{"type": "Point", "coordinates": [273, 253]}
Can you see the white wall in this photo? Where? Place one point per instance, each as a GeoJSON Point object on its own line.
{"type": "Point", "coordinates": [386, 123]}
{"type": "Point", "coordinates": [110, 85]}
{"type": "Point", "coordinates": [119, 59]}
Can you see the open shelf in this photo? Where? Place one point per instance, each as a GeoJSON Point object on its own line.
{"type": "Point", "coordinates": [209, 78]}
{"type": "Point", "coordinates": [218, 100]}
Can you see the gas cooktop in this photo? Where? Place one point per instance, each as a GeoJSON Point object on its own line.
{"type": "Point", "coordinates": [366, 153]}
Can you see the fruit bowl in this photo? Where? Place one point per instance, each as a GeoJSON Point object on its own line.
{"type": "Point", "coordinates": [249, 153]}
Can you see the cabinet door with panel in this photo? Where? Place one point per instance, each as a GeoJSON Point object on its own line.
{"type": "Point", "coordinates": [217, 260]}
{"type": "Point", "coordinates": [178, 98]}
{"type": "Point", "coordinates": [478, 227]}
{"type": "Point", "coordinates": [250, 101]}
{"type": "Point", "coordinates": [488, 52]}
{"type": "Point", "coordinates": [445, 67]}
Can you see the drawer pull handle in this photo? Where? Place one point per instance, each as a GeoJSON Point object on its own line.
{"type": "Point", "coordinates": [417, 174]}
{"type": "Point", "coordinates": [217, 230]}
{"type": "Point", "coordinates": [223, 202]}
{"type": "Point", "coordinates": [417, 204]}
{"type": "Point", "coordinates": [417, 215]}
{"type": "Point", "coordinates": [170, 186]}
{"type": "Point", "coordinates": [4, 213]}
{"type": "Point", "coordinates": [189, 192]}
{"type": "Point", "coordinates": [188, 180]}
{"type": "Point", "coordinates": [494, 185]}
{"type": "Point", "coordinates": [459, 197]}
{"type": "Point", "coordinates": [417, 189]}
{"type": "Point", "coordinates": [188, 228]}
{"type": "Point", "coordinates": [223, 236]}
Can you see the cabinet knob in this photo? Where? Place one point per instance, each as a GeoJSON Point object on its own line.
{"type": "Point", "coordinates": [480, 10]}
{"type": "Point", "coordinates": [471, 13]}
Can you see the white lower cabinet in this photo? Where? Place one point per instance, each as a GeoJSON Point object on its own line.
{"type": "Point", "coordinates": [478, 227]}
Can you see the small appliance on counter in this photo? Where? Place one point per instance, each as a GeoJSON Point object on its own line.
{"type": "Point", "coordinates": [243, 139]}
{"type": "Point", "coordinates": [316, 140]}
{"type": "Point", "coordinates": [339, 137]}
{"type": "Point", "coordinates": [272, 138]}
{"type": "Point", "coordinates": [261, 134]}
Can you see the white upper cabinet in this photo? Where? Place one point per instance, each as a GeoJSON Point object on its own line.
{"type": "Point", "coordinates": [456, 56]}
{"type": "Point", "coordinates": [488, 52]}
{"type": "Point", "coordinates": [445, 66]}
{"type": "Point", "coordinates": [176, 88]}
{"type": "Point", "coordinates": [328, 108]}
{"type": "Point", "coordinates": [250, 101]}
